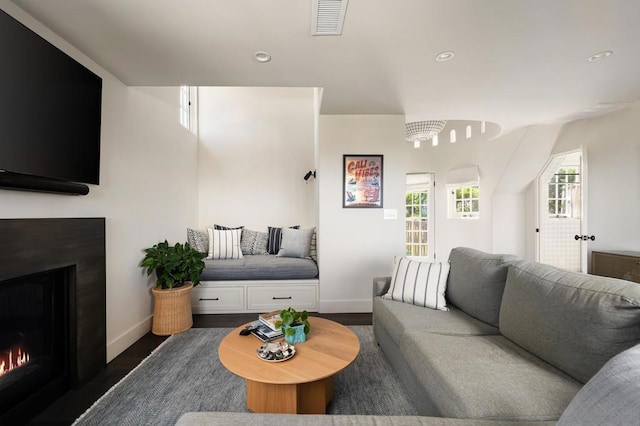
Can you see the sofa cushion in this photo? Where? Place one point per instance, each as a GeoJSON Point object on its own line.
{"type": "Point", "coordinates": [224, 244]}
{"type": "Point", "coordinates": [574, 321]}
{"type": "Point", "coordinates": [217, 418]}
{"type": "Point", "coordinates": [486, 377]}
{"type": "Point", "coordinates": [398, 318]}
{"type": "Point", "coordinates": [419, 283]}
{"type": "Point", "coordinates": [611, 396]}
{"type": "Point", "coordinates": [476, 282]}
{"type": "Point", "coordinates": [295, 242]}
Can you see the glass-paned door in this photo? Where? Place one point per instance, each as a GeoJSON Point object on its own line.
{"type": "Point", "coordinates": [419, 215]}
{"type": "Point", "coordinates": [560, 215]}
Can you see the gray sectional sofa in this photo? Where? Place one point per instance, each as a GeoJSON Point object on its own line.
{"type": "Point", "coordinates": [519, 342]}
{"type": "Point", "coordinates": [522, 343]}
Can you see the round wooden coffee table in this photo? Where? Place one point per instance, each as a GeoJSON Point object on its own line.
{"type": "Point", "coordinates": [300, 385]}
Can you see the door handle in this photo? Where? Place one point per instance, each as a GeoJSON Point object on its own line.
{"type": "Point", "coordinates": [585, 237]}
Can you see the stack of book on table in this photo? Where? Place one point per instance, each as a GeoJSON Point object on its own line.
{"type": "Point", "coordinates": [265, 328]}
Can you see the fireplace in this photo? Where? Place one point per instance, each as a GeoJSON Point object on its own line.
{"type": "Point", "coordinates": [52, 311]}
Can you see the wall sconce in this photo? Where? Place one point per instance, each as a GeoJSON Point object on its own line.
{"type": "Point", "coordinates": [309, 174]}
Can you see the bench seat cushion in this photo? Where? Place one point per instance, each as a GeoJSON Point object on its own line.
{"type": "Point", "coordinates": [486, 377]}
{"type": "Point", "coordinates": [259, 267]}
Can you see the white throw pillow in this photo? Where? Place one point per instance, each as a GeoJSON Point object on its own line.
{"type": "Point", "coordinates": [224, 244]}
{"type": "Point", "coordinates": [419, 283]}
{"type": "Point", "coordinates": [295, 242]}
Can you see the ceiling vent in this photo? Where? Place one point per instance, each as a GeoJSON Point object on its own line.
{"type": "Point", "coordinates": [328, 17]}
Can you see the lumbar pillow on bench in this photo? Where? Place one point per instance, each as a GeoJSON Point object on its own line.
{"type": "Point", "coordinates": [224, 244]}
{"type": "Point", "coordinates": [295, 242]}
{"type": "Point", "coordinates": [419, 283]}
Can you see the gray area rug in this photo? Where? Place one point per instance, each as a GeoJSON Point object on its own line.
{"type": "Point", "coordinates": [184, 374]}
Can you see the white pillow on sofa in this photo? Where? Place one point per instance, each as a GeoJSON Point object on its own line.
{"type": "Point", "coordinates": [224, 244]}
{"type": "Point", "coordinates": [419, 283]}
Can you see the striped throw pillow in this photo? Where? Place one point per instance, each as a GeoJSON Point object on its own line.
{"type": "Point", "coordinates": [419, 283]}
{"type": "Point", "coordinates": [224, 244]}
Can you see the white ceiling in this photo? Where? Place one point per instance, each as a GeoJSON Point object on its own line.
{"type": "Point", "coordinates": [517, 62]}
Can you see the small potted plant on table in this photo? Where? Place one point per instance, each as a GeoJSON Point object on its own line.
{"type": "Point", "coordinates": [177, 270]}
{"type": "Point", "coordinates": [295, 325]}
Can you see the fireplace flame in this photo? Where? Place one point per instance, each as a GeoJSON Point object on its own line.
{"type": "Point", "coordinates": [13, 360]}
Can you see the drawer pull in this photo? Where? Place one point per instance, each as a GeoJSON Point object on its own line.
{"type": "Point", "coordinates": [281, 298]}
{"type": "Point", "coordinates": [214, 299]}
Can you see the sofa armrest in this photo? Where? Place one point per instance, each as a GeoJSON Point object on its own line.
{"type": "Point", "coordinates": [381, 285]}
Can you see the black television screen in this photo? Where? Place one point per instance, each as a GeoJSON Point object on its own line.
{"type": "Point", "coordinates": [50, 109]}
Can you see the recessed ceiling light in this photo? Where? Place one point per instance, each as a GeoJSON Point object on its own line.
{"type": "Point", "coordinates": [445, 56]}
{"type": "Point", "coordinates": [262, 56]}
{"type": "Point", "coordinates": [600, 55]}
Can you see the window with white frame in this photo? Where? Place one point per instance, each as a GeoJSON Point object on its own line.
{"type": "Point", "coordinates": [187, 107]}
{"type": "Point", "coordinates": [563, 189]}
{"type": "Point", "coordinates": [463, 193]}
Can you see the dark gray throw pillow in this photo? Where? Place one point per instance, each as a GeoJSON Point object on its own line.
{"type": "Point", "coordinates": [476, 282]}
{"type": "Point", "coordinates": [226, 228]}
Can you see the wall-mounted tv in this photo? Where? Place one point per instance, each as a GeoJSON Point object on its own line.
{"type": "Point", "coordinates": [50, 113]}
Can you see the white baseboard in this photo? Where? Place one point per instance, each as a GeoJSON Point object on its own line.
{"type": "Point", "coordinates": [345, 306]}
{"type": "Point", "coordinates": [118, 345]}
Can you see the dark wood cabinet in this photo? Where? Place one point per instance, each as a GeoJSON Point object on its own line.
{"type": "Point", "coordinates": [616, 264]}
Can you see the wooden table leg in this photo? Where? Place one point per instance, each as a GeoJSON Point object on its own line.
{"type": "Point", "coordinates": [303, 398]}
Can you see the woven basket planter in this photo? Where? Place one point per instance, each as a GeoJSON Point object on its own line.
{"type": "Point", "coordinates": [172, 310]}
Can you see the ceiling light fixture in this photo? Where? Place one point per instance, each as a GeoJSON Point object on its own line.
{"type": "Point", "coordinates": [418, 131]}
{"type": "Point", "coordinates": [600, 55]}
{"type": "Point", "coordinates": [445, 56]}
{"type": "Point", "coordinates": [262, 56]}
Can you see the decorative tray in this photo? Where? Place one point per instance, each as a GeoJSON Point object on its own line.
{"type": "Point", "coordinates": [276, 352]}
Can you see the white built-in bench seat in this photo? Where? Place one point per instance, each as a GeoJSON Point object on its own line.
{"type": "Point", "coordinates": [254, 280]}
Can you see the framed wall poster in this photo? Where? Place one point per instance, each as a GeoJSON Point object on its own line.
{"type": "Point", "coordinates": [362, 181]}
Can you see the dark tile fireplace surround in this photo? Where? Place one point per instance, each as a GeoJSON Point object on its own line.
{"type": "Point", "coordinates": [60, 263]}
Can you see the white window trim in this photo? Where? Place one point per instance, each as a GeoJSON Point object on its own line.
{"type": "Point", "coordinates": [419, 183]}
{"type": "Point", "coordinates": [467, 177]}
{"type": "Point", "coordinates": [188, 108]}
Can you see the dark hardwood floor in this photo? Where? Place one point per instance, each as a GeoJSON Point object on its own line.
{"type": "Point", "coordinates": [75, 402]}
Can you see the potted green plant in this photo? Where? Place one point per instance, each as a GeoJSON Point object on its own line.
{"type": "Point", "coordinates": [177, 269]}
{"type": "Point", "coordinates": [295, 325]}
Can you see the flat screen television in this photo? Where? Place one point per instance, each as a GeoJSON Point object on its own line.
{"type": "Point", "coordinates": [50, 110]}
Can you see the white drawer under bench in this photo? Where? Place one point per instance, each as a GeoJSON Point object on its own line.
{"type": "Point", "coordinates": [226, 297]}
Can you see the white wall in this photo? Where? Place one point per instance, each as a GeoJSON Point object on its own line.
{"type": "Point", "coordinates": [256, 144]}
{"type": "Point", "coordinates": [492, 157]}
{"type": "Point", "coordinates": [533, 145]}
{"type": "Point", "coordinates": [146, 193]}
{"type": "Point", "coordinates": [612, 146]}
{"type": "Point", "coordinates": [358, 244]}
